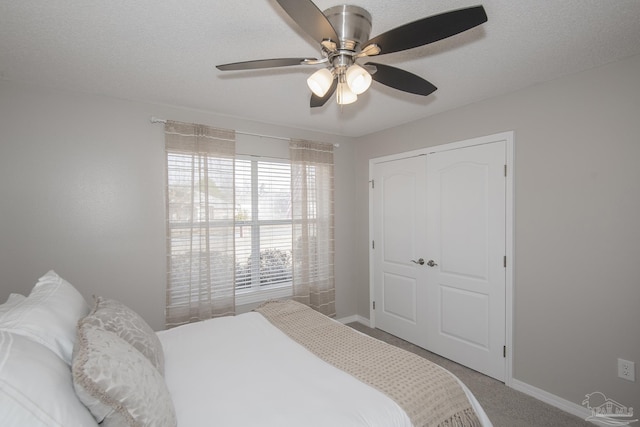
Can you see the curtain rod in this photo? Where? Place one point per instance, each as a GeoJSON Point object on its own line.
{"type": "Point", "coordinates": [158, 120]}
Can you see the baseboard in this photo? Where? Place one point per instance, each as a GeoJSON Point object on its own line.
{"type": "Point", "coordinates": [354, 318]}
{"type": "Point", "coordinates": [544, 396]}
{"type": "Point", "coordinates": [553, 400]}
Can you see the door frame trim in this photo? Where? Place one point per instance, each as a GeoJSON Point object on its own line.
{"type": "Point", "coordinates": [508, 138]}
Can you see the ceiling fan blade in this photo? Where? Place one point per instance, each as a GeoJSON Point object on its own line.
{"type": "Point", "coordinates": [401, 80]}
{"type": "Point", "coordinates": [317, 101]}
{"type": "Point", "coordinates": [263, 63]}
{"type": "Point", "coordinates": [428, 30]}
{"type": "Point", "coordinates": [310, 19]}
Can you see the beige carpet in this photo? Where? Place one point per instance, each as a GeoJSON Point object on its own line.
{"type": "Point", "coordinates": [504, 406]}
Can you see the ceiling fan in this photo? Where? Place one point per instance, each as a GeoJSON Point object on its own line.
{"type": "Point", "coordinates": [343, 34]}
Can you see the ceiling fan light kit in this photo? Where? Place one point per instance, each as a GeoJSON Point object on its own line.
{"type": "Point", "coordinates": [343, 33]}
{"type": "Point", "coordinates": [353, 26]}
{"type": "Point", "coordinates": [345, 95]}
{"type": "Point", "coordinates": [358, 79]}
{"type": "Point", "coordinates": [320, 81]}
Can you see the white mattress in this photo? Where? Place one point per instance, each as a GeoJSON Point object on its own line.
{"type": "Point", "coordinates": [243, 371]}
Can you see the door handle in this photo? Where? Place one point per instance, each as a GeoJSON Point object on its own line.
{"type": "Point", "coordinates": [430, 263]}
{"type": "Point", "coordinates": [420, 261]}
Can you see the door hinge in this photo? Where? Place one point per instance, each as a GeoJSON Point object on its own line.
{"type": "Point", "coordinates": [505, 170]}
{"type": "Point", "coordinates": [374, 305]}
{"type": "Point", "coordinates": [373, 183]}
{"type": "Point", "coordinates": [504, 351]}
{"type": "Point", "coordinates": [373, 244]}
{"type": "Point", "coordinates": [505, 261]}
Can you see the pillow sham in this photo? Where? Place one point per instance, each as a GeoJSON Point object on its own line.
{"type": "Point", "coordinates": [48, 315]}
{"type": "Point", "coordinates": [117, 383]}
{"type": "Point", "coordinates": [12, 301]}
{"type": "Point", "coordinates": [116, 317]}
{"type": "Point", "coordinates": [36, 388]}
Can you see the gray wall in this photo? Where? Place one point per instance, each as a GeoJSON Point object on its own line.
{"type": "Point", "coordinates": [577, 222]}
{"type": "Point", "coordinates": [82, 192]}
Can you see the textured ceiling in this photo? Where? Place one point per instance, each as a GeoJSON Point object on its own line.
{"type": "Point", "coordinates": [166, 51]}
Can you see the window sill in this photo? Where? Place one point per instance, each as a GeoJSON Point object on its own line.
{"type": "Point", "coordinates": [252, 297]}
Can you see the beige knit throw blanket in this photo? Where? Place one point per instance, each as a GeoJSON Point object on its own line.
{"type": "Point", "coordinates": [430, 395]}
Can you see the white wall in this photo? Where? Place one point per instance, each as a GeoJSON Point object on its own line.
{"type": "Point", "coordinates": [82, 192]}
{"type": "Point", "coordinates": [577, 223]}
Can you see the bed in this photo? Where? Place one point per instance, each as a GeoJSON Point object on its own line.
{"type": "Point", "coordinates": [65, 363]}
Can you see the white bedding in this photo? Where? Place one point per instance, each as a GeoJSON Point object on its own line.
{"type": "Point", "coordinates": [243, 371]}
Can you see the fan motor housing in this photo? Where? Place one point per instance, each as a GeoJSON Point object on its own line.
{"type": "Point", "coordinates": [352, 24]}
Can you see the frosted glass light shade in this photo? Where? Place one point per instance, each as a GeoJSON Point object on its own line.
{"type": "Point", "coordinates": [358, 79]}
{"type": "Point", "coordinates": [344, 95]}
{"type": "Point", "coordinates": [320, 82]}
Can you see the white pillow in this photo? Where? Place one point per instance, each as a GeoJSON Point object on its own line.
{"type": "Point", "coordinates": [36, 388]}
{"type": "Point", "coordinates": [117, 383]}
{"type": "Point", "coordinates": [12, 301]}
{"type": "Point", "coordinates": [48, 315]}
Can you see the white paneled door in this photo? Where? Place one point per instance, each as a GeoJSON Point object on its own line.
{"type": "Point", "coordinates": [399, 213]}
{"type": "Point", "coordinates": [466, 240]}
{"type": "Point", "coordinates": [439, 262]}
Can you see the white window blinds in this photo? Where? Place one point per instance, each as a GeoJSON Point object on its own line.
{"type": "Point", "coordinates": [263, 224]}
{"type": "Point", "coordinates": [245, 228]}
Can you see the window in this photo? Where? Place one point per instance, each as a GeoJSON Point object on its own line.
{"type": "Point", "coordinates": [243, 229]}
{"type": "Point", "coordinates": [263, 232]}
{"type": "Point", "coordinates": [262, 223]}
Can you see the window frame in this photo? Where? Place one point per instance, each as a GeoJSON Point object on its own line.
{"type": "Point", "coordinates": [257, 293]}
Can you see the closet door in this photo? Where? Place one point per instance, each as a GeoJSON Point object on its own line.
{"type": "Point", "coordinates": [399, 211]}
{"type": "Point", "coordinates": [466, 248]}
{"type": "Point", "coordinates": [438, 252]}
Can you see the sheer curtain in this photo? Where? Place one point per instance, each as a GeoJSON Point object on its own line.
{"type": "Point", "coordinates": [200, 222]}
{"type": "Point", "coordinates": [313, 232]}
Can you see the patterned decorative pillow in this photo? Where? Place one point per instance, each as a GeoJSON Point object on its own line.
{"type": "Point", "coordinates": [116, 317]}
{"type": "Point", "coordinates": [117, 383]}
